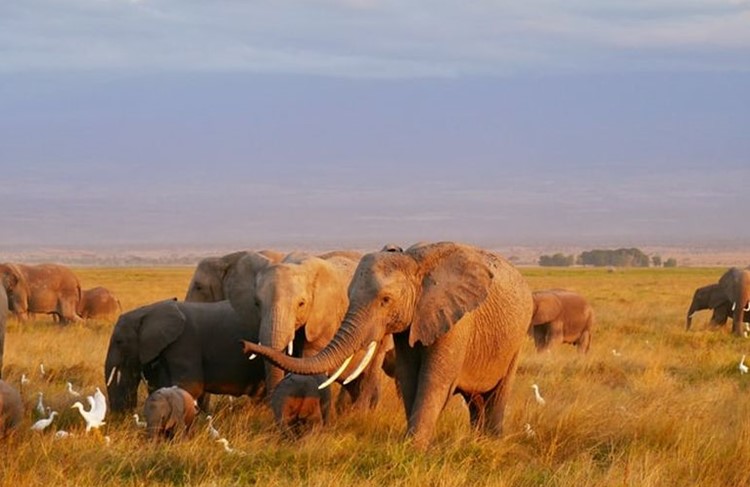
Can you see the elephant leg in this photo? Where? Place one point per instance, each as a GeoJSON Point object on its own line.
{"type": "Point", "coordinates": [476, 405]}
{"type": "Point", "coordinates": [498, 399]}
{"type": "Point", "coordinates": [407, 370]}
{"type": "Point", "coordinates": [584, 341]}
{"type": "Point", "coordinates": [556, 333]}
{"type": "Point", "coordinates": [436, 383]}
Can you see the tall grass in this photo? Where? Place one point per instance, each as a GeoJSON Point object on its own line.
{"type": "Point", "coordinates": [669, 408]}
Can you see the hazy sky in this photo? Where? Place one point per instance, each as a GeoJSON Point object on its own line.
{"type": "Point", "coordinates": [357, 122]}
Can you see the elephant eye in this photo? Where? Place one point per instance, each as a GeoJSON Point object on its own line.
{"type": "Point", "coordinates": [301, 304]}
{"type": "Point", "coordinates": [385, 300]}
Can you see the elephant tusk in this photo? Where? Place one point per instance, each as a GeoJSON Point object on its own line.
{"type": "Point", "coordinates": [365, 361]}
{"type": "Point", "coordinates": [747, 308]}
{"type": "Point", "coordinates": [290, 348]}
{"type": "Point", "coordinates": [734, 305]}
{"type": "Point", "coordinates": [252, 355]}
{"type": "Point", "coordinates": [336, 374]}
{"type": "Point", "coordinates": [119, 376]}
{"type": "Point", "coordinates": [111, 376]}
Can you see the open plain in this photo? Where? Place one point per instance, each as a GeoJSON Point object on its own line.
{"type": "Point", "coordinates": [650, 405]}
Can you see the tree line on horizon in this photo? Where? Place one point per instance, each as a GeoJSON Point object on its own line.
{"type": "Point", "coordinates": [623, 257]}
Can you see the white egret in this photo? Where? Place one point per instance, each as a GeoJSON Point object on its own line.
{"type": "Point", "coordinates": [213, 432]}
{"type": "Point", "coordinates": [743, 368]}
{"type": "Point", "coordinates": [530, 433]}
{"type": "Point", "coordinates": [228, 448]}
{"type": "Point", "coordinates": [138, 422]}
{"type": "Point", "coordinates": [41, 369]}
{"type": "Point", "coordinates": [24, 380]}
{"type": "Point", "coordinates": [40, 405]}
{"type": "Point", "coordinates": [94, 417]}
{"type": "Point", "coordinates": [73, 392]}
{"type": "Point", "coordinates": [539, 399]}
{"type": "Point", "coordinates": [63, 434]}
{"type": "Point", "coordinates": [616, 353]}
{"type": "Point", "coordinates": [43, 423]}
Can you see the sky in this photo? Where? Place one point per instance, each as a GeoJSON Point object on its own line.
{"type": "Point", "coordinates": [347, 123]}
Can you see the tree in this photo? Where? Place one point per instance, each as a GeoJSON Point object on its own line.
{"type": "Point", "coordinates": [671, 262]}
{"type": "Point", "coordinates": [556, 260]}
{"type": "Point", "coordinates": [656, 260]}
{"type": "Point", "coordinates": [619, 258]}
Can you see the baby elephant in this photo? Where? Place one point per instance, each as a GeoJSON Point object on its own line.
{"type": "Point", "coordinates": [561, 316]}
{"type": "Point", "coordinates": [299, 405]}
{"type": "Point", "coordinates": [169, 412]}
{"type": "Point", "coordinates": [98, 302]}
{"type": "Point", "coordinates": [11, 408]}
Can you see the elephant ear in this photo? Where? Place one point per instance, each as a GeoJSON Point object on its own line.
{"type": "Point", "coordinates": [547, 307]}
{"type": "Point", "coordinates": [330, 281]}
{"type": "Point", "coordinates": [456, 280]}
{"type": "Point", "coordinates": [239, 284]}
{"type": "Point", "coordinates": [12, 276]}
{"type": "Point", "coordinates": [160, 326]}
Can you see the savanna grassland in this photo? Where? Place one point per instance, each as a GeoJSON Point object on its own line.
{"type": "Point", "coordinates": [668, 408]}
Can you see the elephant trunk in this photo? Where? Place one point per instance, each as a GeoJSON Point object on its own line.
{"type": "Point", "coordinates": [348, 340]}
{"type": "Point", "coordinates": [276, 332]}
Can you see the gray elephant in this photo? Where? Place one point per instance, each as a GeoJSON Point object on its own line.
{"type": "Point", "coordinates": [561, 316]}
{"type": "Point", "coordinates": [302, 300]}
{"type": "Point", "coordinates": [458, 315]}
{"type": "Point", "coordinates": [169, 412]}
{"type": "Point", "coordinates": [11, 408]}
{"type": "Point", "coordinates": [736, 285]}
{"type": "Point", "coordinates": [711, 297]}
{"type": "Point", "coordinates": [299, 405]}
{"type": "Point", "coordinates": [98, 302]}
{"type": "Point", "coordinates": [212, 275]}
{"type": "Point", "coordinates": [191, 345]}
{"type": "Point", "coordinates": [43, 288]}
{"type": "Point", "coordinates": [3, 319]}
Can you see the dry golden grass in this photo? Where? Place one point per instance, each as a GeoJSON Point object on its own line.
{"type": "Point", "coordinates": [669, 410]}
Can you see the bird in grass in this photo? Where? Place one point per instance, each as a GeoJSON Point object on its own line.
{"type": "Point", "coordinates": [43, 423]}
{"type": "Point", "coordinates": [530, 433]}
{"type": "Point", "coordinates": [72, 392]}
{"type": "Point", "coordinates": [743, 368]}
{"type": "Point", "coordinates": [60, 434]}
{"type": "Point", "coordinates": [616, 353]}
{"type": "Point", "coordinates": [41, 369]}
{"type": "Point", "coordinates": [138, 422]}
{"type": "Point", "coordinates": [24, 380]}
{"type": "Point", "coordinates": [40, 409]}
{"type": "Point", "coordinates": [228, 448]}
{"type": "Point", "coordinates": [94, 417]}
{"type": "Point", "coordinates": [539, 399]}
{"type": "Point", "coordinates": [213, 432]}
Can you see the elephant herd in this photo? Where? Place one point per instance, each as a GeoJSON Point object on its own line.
{"type": "Point", "coordinates": [440, 318]}
{"type": "Point", "coordinates": [729, 296]}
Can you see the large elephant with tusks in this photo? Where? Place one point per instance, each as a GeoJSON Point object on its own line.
{"type": "Point", "coordinates": [458, 315]}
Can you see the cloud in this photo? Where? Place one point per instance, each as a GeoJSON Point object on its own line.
{"type": "Point", "coordinates": [373, 39]}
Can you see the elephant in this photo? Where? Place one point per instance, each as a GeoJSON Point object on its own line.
{"type": "Point", "coordinates": [98, 302]}
{"type": "Point", "coordinates": [561, 316]}
{"type": "Point", "coordinates": [169, 412]}
{"type": "Point", "coordinates": [191, 345]}
{"type": "Point", "coordinates": [302, 300]}
{"type": "Point", "coordinates": [711, 297]}
{"type": "Point", "coordinates": [43, 288]}
{"type": "Point", "coordinates": [299, 405]}
{"type": "Point", "coordinates": [736, 285]}
{"type": "Point", "coordinates": [209, 282]}
{"type": "Point", "coordinates": [11, 408]}
{"type": "Point", "coordinates": [458, 315]}
{"type": "Point", "coordinates": [3, 319]}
